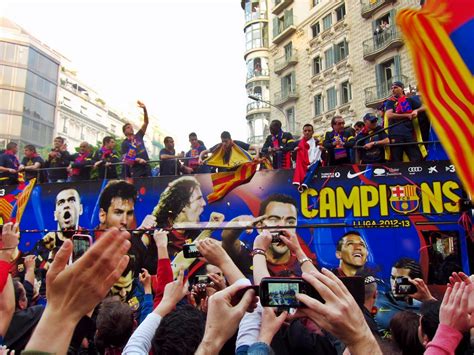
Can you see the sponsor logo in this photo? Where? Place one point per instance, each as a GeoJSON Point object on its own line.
{"type": "Point", "coordinates": [404, 199]}
{"type": "Point", "coordinates": [387, 172]}
{"type": "Point", "coordinates": [330, 175]}
{"type": "Point", "coordinates": [351, 176]}
{"type": "Point", "coordinates": [432, 169]}
{"type": "Point", "coordinates": [450, 168]}
{"type": "Point", "coordinates": [414, 169]}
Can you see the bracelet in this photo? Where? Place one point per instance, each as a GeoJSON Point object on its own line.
{"type": "Point", "coordinates": [305, 259]}
{"type": "Point", "coordinates": [258, 251]}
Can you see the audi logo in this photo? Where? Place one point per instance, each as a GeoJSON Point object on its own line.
{"type": "Point", "coordinates": [415, 169]}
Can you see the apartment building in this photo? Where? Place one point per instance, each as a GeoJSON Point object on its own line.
{"type": "Point", "coordinates": [28, 87]}
{"type": "Point", "coordinates": [332, 57]}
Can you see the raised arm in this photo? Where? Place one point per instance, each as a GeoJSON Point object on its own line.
{"type": "Point", "coordinates": [145, 116]}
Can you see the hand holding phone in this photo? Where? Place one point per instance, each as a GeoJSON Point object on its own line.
{"type": "Point", "coordinates": [190, 251]}
{"type": "Point", "coordinates": [403, 286]}
{"type": "Point", "coordinates": [81, 243]}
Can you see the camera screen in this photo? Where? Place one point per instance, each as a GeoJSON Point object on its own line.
{"type": "Point", "coordinates": [80, 247]}
{"type": "Point", "coordinates": [283, 294]}
{"type": "Point", "coordinates": [193, 248]}
{"type": "Point", "coordinates": [403, 289]}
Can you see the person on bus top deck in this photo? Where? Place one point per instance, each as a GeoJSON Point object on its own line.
{"type": "Point", "coordinates": [9, 165]}
{"type": "Point", "coordinates": [338, 142]}
{"type": "Point", "coordinates": [81, 163]}
{"type": "Point", "coordinates": [401, 110]}
{"type": "Point", "coordinates": [59, 159]}
{"type": "Point", "coordinates": [351, 250]}
{"type": "Point", "coordinates": [106, 158]}
{"type": "Point", "coordinates": [30, 164]}
{"type": "Point", "coordinates": [279, 145]}
{"type": "Point", "coordinates": [372, 145]}
{"type": "Point", "coordinates": [276, 210]}
{"type": "Point", "coordinates": [197, 146]}
{"type": "Point", "coordinates": [133, 148]}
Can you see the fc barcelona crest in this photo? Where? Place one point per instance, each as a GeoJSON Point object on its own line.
{"type": "Point", "coordinates": [404, 199]}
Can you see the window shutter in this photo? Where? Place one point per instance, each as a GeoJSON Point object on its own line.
{"type": "Point", "coordinates": [275, 27]}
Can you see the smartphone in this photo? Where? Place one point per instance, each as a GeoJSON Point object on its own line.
{"type": "Point", "coordinates": [191, 251]}
{"type": "Point", "coordinates": [240, 293]}
{"type": "Point", "coordinates": [81, 243]}
{"type": "Point", "coordinates": [281, 291]}
{"type": "Point", "coordinates": [404, 287]}
{"type": "Point", "coordinates": [202, 279]}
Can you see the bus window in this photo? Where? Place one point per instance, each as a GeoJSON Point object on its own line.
{"type": "Point", "coordinates": [444, 255]}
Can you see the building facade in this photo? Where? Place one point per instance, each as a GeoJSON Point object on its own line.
{"type": "Point", "coordinates": [28, 87]}
{"type": "Point", "coordinates": [333, 57]}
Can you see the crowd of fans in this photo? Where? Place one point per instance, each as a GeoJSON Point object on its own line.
{"type": "Point", "coordinates": [369, 141]}
{"type": "Point", "coordinates": [86, 307]}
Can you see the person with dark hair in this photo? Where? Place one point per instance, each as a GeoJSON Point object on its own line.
{"type": "Point", "coordinates": [402, 110]}
{"type": "Point", "coordinates": [81, 163]}
{"type": "Point", "coordinates": [197, 146]}
{"type": "Point", "coordinates": [30, 164]}
{"type": "Point", "coordinates": [279, 145]}
{"type": "Point", "coordinates": [9, 165]}
{"type": "Point", "coordinates": [169, 160]}
{"type": "Point", "coordinates": [276, 210]}
{"type": "Point", "coordinates": [358, 126]}
{"type": "Point", "coordinates": [338, 142]}
{"type": "Point", "coordinates": [117, 205]}
{"type": "Point", "coordinates": [371, 144]}
{"type": "Point", "coordinates": [404, 330]}
{"type": "Point", "coordinates": [429, 321]}
{"type": "Point", "coordinates": [180, 332]}
{"type": "Point", "coordinates": [227, 155]}
{"type": "Point", "coordinates": [370, 295]}
{"type": "Point", "coordinates": [133, 148]}
{"type": "Point", "coordinates": [24, 320]}
{"type": "Point", "coordinates": [351, 250]}
{"type": "Point", "coordinates": [181, 202]}
{"type": "Point", "coordinates": [390, 301]}
{"type": "Point", "coordinates": [58, 160]}
{"type": "Point", "coordinates": [106, 158]}
{"type": "Point", "coordinates": [114, 324]}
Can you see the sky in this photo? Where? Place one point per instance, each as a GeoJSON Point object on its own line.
{"type": "Point", "coordinates": [183, 58]}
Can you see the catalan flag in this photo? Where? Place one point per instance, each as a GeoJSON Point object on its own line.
{"type": "Point", "coordinates": [224, 182]}
{"type": "Point", "coordinates": [236, 156]}
{"type": "Point", "coordinates": [13, 204]}
{"type": "Point", "coordinates": [440, 40]}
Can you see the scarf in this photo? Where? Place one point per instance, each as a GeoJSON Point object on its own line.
{"type": "Point", "coordinates": [402, 105]}
{"type": "Point", "coordinates": [339, 150]}
{"type": "Point", "coordinates": [80, 158]}
{"type": "Point", "coordinates": [106, 153]}
{"type": "Point", "coordinates": [131, 155]}
{"type": "Point", "coordinates": [14, 159]}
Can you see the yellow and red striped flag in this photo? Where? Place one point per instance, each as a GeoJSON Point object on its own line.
{"type": "Point", "coordinates": [439, 36]}
{"type": "Point", "coordinates": [223, 183]}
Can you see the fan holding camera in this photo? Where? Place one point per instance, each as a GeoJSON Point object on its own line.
{"type": "Point", "coordinates": [407, 292]}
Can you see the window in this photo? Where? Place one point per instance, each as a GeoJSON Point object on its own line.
{"type": "Point", "coordinates": [327, 22]}
{"type": "Point", "coordinates": [315, 2]}
{"type": "Point", "coordinates": [332, 99]}
{"type": "Point", "coordinates": [340, 12]}
{"type": "Point", "coordinates": [329, 58]}
{"type": "Point", "coordinates": [317, 65]}
{"type": "Point", "coordinates": [318, 104]}
{"type": "Point", "coordinates": [346, 94]}
{"type": "Point", "coordinates": [341, 51]}
{"type": "Point", "coordinates": [386, 73]}
{"type": "Point", "coordinates": [256, 36]}
{"type": "Point", "coordinates": [288, 51]}
{"type": "Point", "coordinates": [315, 29]}
{"type": "Point", "coordinates": [288, 84]}
{"type": "Point", "coordinates": [282, 23]}
{"type": "Point", "coordinates": [290, 116]}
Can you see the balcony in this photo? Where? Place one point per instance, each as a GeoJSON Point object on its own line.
{"type": "Point", "coordinates": [284, 29]}
{"type": "Point", "coordinates": [255, 16]}
{"type": "Point", "coordinates": [285, 61]}
{"type": "Point", "coordinates": [378, 44]}
{"type": "Point", "coordinates": [257, 106]}
{"type": "Point", "coordinates": [368, 7]}
{"type": "Point", "coordinates": [260, 74]}
{"type": "Point", "coordinates": [282, 97]}
{"type": "Point", "coordinates": [280, 5]}
{"type": "Point", "coordinates": [375, 95]}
